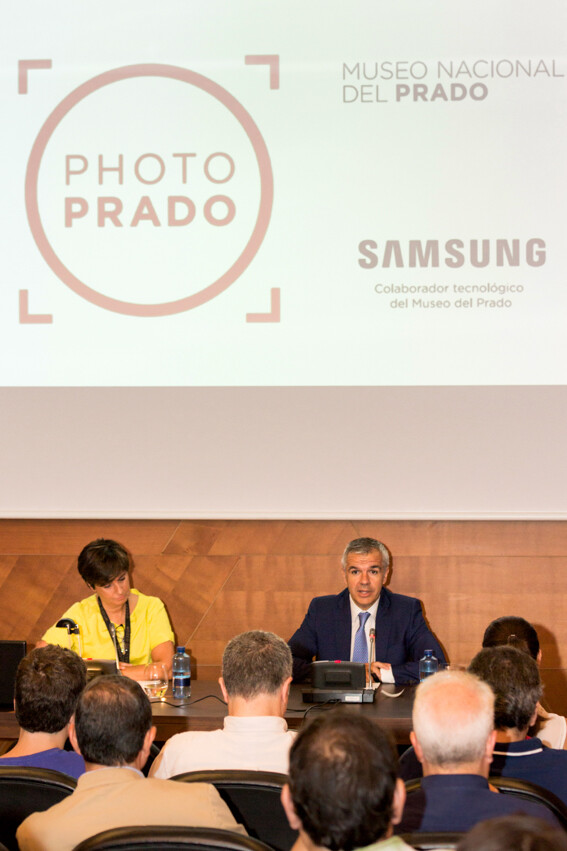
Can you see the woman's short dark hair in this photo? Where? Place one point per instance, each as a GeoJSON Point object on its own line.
{"type": "Point", "coordinates": [512, 630]}
{"type": "Point", "coordinates": [48, 683]}
{"type": "Point", "coordinates": [342, 778]}
{"type": "Point", "coordinates": [101, 561]}
{"type": "Point", "coordinates": [112, 718]}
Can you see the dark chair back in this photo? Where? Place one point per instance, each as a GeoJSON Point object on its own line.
{"type": "Point", "coordinates": [155, 751]}
{"type": "Point", "coordinates": [427, 841]}
{"type": "Point", "coordinates": [28, 790]}
{"type": "Point", "coordinates": [169, 838]}
{"type": "Point", "coordinates": [409, 765]}
{"type": "Point", "coordinates": [532, 792]}
{"type": "Point", "coordinates": [253, 797]}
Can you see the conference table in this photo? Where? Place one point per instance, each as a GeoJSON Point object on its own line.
{"type": "Point", "coordinates": [205, 710]}
{"type": "Point", "coordinates": [392, 713]}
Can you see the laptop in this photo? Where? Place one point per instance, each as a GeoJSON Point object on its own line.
{"type": "Point", "coordinates": [11, 654]}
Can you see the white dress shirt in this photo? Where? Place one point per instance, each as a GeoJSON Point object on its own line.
{"type": "Point", "coordinates": [256, 743]}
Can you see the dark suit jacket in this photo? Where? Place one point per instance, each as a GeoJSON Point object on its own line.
{"type": "Point", "coordinates": [402, 635]}
{"type": "Point", "coordinates": [456, 802]}
{"type": "Point", "coordinates": [528, 760]}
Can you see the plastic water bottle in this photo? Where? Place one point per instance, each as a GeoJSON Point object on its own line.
{"type": "Point", "coordinates": [181, 674]}
{"type": "Point", "coordinates": [428, 665]}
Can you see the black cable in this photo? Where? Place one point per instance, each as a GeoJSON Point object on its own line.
{"type": "Point", "coordinates": [326, 705]}
{"type": "Point", "coordinates": [192, 702]}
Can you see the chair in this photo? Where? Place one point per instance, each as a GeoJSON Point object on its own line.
{"type": "Point", "coordinates": [413, 785]}
{"type": "Point", "coordinates": [253, 797]}
{"type": "Point", "coordinates": [532, 792]}
{"type": "Point", "coordinates": [28, 790]}
{"type": "Point", "coordinates": [169, 838]}
{"type": "Point", "coordinates": [409, 764]}
{"type": "Point", "coordinates": [155, 751]}
{"type": "Point", "coordinates": [427, 841]}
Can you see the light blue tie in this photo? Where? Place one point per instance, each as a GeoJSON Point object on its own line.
{"type": "Point", "coordinates": [360, 650]}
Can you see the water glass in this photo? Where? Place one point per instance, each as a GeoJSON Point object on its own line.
{"type": "Point", "coordinates": [155, 680]}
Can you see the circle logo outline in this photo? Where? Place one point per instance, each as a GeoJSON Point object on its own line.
{"type": "Point", "coordinates": [262, 219]}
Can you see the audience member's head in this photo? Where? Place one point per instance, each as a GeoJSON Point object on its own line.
{"type": "Point", "coordinates": [343, 790]}
{"type": "Point", "coordinates": [255, 663]}
{"type": "Point", "coordinates": [514, 833]}
{"type": "Point", "coordinates": [453, 721]}
{"type": "Point", "coordinates": [514, 631]}
{"type": "Point", "coordinates": [102, 561]}
{"type": "Point", "coordinates": [514, 678]}
{"type": "Point", "coordinates": [48, 683]}
{"type": "Point", "coordinates": [113, 723]}
{"type": "Point", "coordinates": [365, 546]}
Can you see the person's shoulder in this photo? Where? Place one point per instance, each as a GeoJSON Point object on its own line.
{"type": "Point", "coordinates": [85, 603]}
{"type": "Point", "coordinates": [57, 759]}
{"type": "Point", "coordinates": [85, 607]}
{"type": "Point", "coordinates": [532, 750]}
{"type": "Point", "coordinates": [168, 787]}
{"type": "Point", "coordinates": [146, 601]}
{"type": "Point", "coordinates": [187, 738]}
{"type": "Point", "coordinates": [551, 729]}
{"type": "Point", "coordinates": [30, 828]}
{"type": "Point", "coordinates": [39, 829]}
{"type": "Point", "coordinates": [327, 601]}
{"type": "Point", "coordinates": [68, 762]}
{"type": "Point", "coordinates": [399, 600]}
{"type": "Point", "coordinates": [393, 843]}
{"type": "Point", "coordinates": [554, 756]}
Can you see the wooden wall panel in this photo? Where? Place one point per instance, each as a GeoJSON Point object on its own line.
{"type": "Point", "coordinates": [220, 577]}
{"type": "Point", "coordinates": [70, 536]}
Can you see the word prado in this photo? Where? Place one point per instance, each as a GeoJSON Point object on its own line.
{"type": "Point", "coordinates": [477, 252]}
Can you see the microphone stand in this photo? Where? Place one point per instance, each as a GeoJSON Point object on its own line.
{"type": "Point", "coordinates": [72, 628]}
{"type": "Point", "coordinates": [371, 654]}
{"type": "Point", "coordinates": [369, 692]}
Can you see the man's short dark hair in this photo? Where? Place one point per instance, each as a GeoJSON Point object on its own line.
{"type": "Point", "coordinates": [512, 630]}
{"type": "Point", "coordinates": [520, 832]}
{"type": "Point", "coordinates": [101, 561]}
{"type": "Point", "coordinates": [342, 778]}
{"type": "Point", "coordinates": [363, 546]}
{"type": "Point", "coordinates": [48, 683]}
{"type": "Point", "coordinates": [112, 718]}
{"type": "Point", "coordinates": [514, 678]}
{"type": "Point", "coordinates": [255, 663]}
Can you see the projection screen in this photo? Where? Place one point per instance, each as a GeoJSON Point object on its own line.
{"type": "Point", "coordinates": [267, 259]}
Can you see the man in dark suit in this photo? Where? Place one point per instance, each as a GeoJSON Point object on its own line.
{"type": "Point", "coordinates": [338, 626]}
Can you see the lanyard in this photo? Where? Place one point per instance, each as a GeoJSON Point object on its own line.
{"type": "Point", "coordinates": [123, 653]}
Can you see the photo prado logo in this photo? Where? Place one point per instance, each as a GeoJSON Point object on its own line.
{"type": "Point", "coordinates": [149, 190]}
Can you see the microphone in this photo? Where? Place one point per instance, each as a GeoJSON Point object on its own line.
{"type": "Point", "coordinates": [113, 636]}
{"type": "Point", "coordinates": [371, 653]}
{"type": "Point", "coordinates": [72, 628]}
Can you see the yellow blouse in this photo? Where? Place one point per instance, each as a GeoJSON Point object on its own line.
{"type": "Point", "coordinates": [149, 626]}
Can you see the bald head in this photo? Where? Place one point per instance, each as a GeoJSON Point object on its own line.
{"type": "Point", "coordinates": [453, 720]}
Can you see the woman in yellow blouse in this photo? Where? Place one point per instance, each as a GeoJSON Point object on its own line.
{"type": "Point", "coordinates": [139, 623]}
